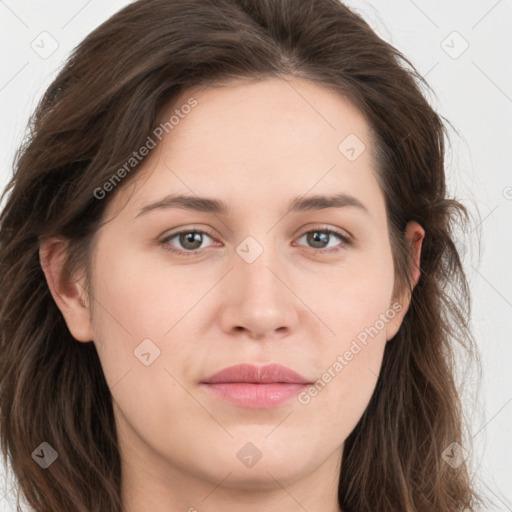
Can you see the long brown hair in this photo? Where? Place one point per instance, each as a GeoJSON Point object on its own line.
{"type": "Point", "coordinates": [102, 106]}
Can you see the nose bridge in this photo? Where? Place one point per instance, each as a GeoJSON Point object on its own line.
{"type": "Point", "coordinates": [256, 266]}
{"type": "Point", "coordinates": [260, 301]}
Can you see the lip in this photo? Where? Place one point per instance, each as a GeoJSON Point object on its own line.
{"type": "Point", "coordinates": [247, 385]}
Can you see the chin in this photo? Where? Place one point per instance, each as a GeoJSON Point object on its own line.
{"type": "Point", "coordinates": [258, 465]}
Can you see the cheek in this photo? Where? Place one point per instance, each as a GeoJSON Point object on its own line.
{"type": "Point", "coordinates": [138, 298]}
{"type": "Point", "coordinates": [136, 301]}
{"type": "Point", "coordinates": [134, 309]}
{"type": "Point", "coordinates": [357, 308]}
{"type": "Point", "coordinates": [354, 296]}
{"type": "Point", "coordinates": [129, 317]}
{"type": "Point", "coordinates": [350, 365]}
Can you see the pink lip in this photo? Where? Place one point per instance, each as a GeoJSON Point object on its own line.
{"type": "Point", "coordinates": [247, 385]}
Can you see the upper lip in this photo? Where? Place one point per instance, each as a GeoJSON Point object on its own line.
{"type": "Point", "coordinates": [270, 373]}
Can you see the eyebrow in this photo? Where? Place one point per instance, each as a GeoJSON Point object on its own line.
{"type": "Point", "coordinates": [217, 207]}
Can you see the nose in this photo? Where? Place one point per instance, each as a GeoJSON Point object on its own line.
{"type": "Point", "coordinates": [259, 299]}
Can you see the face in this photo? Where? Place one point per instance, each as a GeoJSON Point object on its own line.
{"type": "Point", "coordinates": [288, 263]}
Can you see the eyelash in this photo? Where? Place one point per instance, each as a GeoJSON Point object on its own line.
{"type": "Point", "coordinates": [345, 241]}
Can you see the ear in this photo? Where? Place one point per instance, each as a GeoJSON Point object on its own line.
{"type": "Point", "coordinates": [68, 293]}
{"type": "Point", "coordinates": [414, 235]}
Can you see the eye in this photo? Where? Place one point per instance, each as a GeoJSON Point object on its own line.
{"type": "Point", "coordinates": [190, 240]}
{"type": "Point", "coordinates": [320, 239]}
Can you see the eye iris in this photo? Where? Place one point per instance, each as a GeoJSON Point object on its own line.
{"type": "Point", "coordinates": [192, 237]}
{"type": "Point", "coordinates": [315, 237]}
{"type": "Point", "coordinates": [191, 240]}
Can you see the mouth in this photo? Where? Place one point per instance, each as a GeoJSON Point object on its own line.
{"type": "Point", "coordinates": [250, 386]}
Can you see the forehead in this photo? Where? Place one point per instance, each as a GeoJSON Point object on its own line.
{"type": "Point", "coordinates": [255, 140]}
{"type": "Point", "coordinates": [283, 115]}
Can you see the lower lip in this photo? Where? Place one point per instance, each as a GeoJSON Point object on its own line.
{"type": "Point", "coordinates": [253, 395]}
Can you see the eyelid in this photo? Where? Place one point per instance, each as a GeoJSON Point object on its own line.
{"type": "Point", "coordinates": [342, 233]}
{"type": "Point", "coordinates": [186, 229]}
{"type": "Point", "coordinates": [346, 238]}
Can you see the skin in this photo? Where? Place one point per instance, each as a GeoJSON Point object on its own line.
{"type": "Point", "coordinates": [255, 146]}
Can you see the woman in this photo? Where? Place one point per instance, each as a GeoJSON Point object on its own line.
{"type": "Point", "coordinates": [228, 275]}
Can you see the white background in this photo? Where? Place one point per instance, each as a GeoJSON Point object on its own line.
{"type": "Point", "coordinates": [473, 90]}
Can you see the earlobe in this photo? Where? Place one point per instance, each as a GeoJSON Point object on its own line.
{"type": "Point", "coordinates": [66, 292]}
{"type": "Point", "coordinates": [414, 234]}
